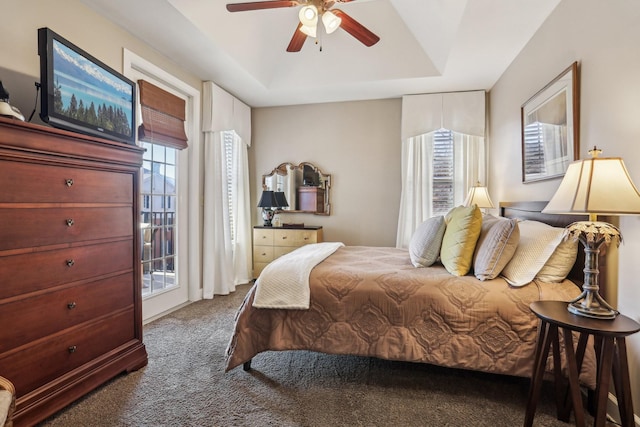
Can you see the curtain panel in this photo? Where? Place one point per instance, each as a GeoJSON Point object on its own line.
{"type": "Point", "coordinates": [163, 116]}
{"type": "Point", "coordinates": [226, 251]}
{"type": "Point", "coordinates": [423, 115]}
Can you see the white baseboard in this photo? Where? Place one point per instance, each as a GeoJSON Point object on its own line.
{"type": "Point", "coordinates": [171, 310]}
{"type": "Point", "coordinates": [612, 410]}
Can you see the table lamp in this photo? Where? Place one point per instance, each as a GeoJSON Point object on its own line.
{"type": "Point", "coordinates": [595, 186]}
{"type": "Point", "coordinates": [267, 203]}
{"type": "Point", "coordinates": [479, 195]}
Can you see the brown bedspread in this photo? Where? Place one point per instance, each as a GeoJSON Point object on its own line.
{"type": "Point", "coordinates": [371, 301]}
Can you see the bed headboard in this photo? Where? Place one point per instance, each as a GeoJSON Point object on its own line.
{"type": "Point", "coordinates": [533, 211]}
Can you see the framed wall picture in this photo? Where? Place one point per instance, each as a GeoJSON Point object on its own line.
{"type": "Point", "coordinates": [550, 128]}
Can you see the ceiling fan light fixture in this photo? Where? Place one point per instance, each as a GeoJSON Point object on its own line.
{"type": "Point", "coordinates": [331, 22]}
{"type": "Point", "coordinates": [309, 30]}
{"type": "Point", "coordinates": [308, 15]}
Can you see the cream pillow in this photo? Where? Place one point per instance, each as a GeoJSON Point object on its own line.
{"type": "Point", "coordinates": [496, 245]}
{"type": "Point", "coordinates": [537, 243]}
{"type": "Point", "coordinates": [424, 246]}
{"type": "Point", "coordinates": [557, 268]}
{"type": "Point", "coordinates": [460, 237]}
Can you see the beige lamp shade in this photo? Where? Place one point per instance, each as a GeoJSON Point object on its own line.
{"type": "Point", "coordinates": [596, 186]}
{"type": "Point", "coordinates": [478, 195]}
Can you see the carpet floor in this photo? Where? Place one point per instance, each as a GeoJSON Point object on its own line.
{"type": "Point", "coordinates": [184, 384]}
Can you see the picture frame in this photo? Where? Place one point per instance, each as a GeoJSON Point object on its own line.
{"type": "Point", "coordinates": [550, 128]}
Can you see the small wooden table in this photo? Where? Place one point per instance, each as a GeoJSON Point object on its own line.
{"type": "Point", "coordinates": [611, 353]}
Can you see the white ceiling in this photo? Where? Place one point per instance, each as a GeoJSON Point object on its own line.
{"type": "Point", "coordinates": [425, 46]}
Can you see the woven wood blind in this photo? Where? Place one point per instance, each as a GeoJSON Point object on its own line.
{"type": "Point", "coordinates": [163, 116]}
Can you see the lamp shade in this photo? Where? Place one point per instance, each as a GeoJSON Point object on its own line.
{"type": "Point", "coordinates": [308, 15]}
{"type": "Point", "coordinates": [596, 186]}
{"type": "Point", "coordinates": [281, 199]}
{"type": "Point", "coordinates": [268, 200]}
{"type": "Point", "coordinates": [331, 21]}
{"type": "Point", "coordinates": [478, 195]}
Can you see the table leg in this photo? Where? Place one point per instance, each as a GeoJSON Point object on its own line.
{"type": "Point", "coordinates": [622, 383]}
{"type": "Point", "coordinates": [545, 334]}
{"type": "Point", "coordinates": [574, 384]}
{"type": "Point", "coordinates": [605, 362]}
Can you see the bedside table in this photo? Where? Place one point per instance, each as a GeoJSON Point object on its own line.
{"type": "Point", "coordinates": [611, 352]}
{"type": "Point", "coordinates": [270, 243]}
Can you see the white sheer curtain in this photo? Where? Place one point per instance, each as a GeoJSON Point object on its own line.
{"type": "Point", "coordinates": [422, 115]}
{"type": "Point", "coordinates": [226, 251]}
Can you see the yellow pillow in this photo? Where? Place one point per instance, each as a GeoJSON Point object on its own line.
{"type": "Point", "coordinates": [460, 237]}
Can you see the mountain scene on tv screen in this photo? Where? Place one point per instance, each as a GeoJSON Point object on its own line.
{"type": "Point", "coordinates": [90, 94]}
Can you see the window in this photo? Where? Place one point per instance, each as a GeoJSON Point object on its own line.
{"type": "Point", "coordinates": [158, 218]}
{"type": "Point", "coordinates": [230, 181]}
{"type": "Point", "coordinates": [443, 172]}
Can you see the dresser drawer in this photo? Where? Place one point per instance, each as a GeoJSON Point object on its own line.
{"type": "Point", "coordinates": [262, 236]}
{"type": "Point", "coordinates": [42, 270]}
{"type": "Point", "coordinates": [35, 183]}
{"type": "Point", "coordinates": [23, 228]}
{"type": "Point", "coordinates": [37, 317]}
{"type": "Point", "coordinates": [278, 251]}
{"type": "Point", "coordinates": [294, 237]}
{"type": "Point", "coordinates": [262, 254]}
{"type": "Point", "coordinates": [47, 359]}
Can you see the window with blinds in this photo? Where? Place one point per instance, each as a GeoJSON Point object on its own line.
{"type": "Point", "coordinates": [443, 172]}
{"type": "Point", "coordinates": [228, 158]}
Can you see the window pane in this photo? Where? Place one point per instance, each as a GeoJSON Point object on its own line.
{"type": "Point", "coordinates": [171, 156]}
{"type": "Point", "coordinates": [147, 150]}
{"type": "Point", "coordinates": [169, 241]}
{"type": "Point", "coordinates": [158, 153]}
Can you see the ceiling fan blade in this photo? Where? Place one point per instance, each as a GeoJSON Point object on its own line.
{"type": "Point", "coordinates": [257, 5]}
{"type": "Point", "coordinates": [298, 39]}
{"type": "Point", "coordinates": [356, 29]}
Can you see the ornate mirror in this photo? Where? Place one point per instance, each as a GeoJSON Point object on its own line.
{"type": "Point", "coordinates": [306, 188]}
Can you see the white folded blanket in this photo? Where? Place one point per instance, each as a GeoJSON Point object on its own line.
{"type": "Point", "coordinates": [284, 283]}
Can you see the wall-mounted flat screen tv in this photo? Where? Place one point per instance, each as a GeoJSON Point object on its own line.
{"type": "Point", "coordinates": [81, 94]}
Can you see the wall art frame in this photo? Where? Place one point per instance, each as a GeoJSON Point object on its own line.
{"type": "Point", "coordinates": [550, 125]}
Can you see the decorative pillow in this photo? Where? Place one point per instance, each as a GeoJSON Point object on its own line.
{"type": "Point", "coordinates": [460, 237]}
{"type": "Point", "coordinates": [425, 243]}
{"type": "Point", "coordinates": [559, 264]}
{"type": "Point", "coordinates": [496, 245]}
{"type": "Point", "coordinates": [537, 243]}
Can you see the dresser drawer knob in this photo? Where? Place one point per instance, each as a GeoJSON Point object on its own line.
{"type": "Point", "coordinates": [69, 222]}
{"type": "Point", "coordinates": [284, 237]}
{"type": "Point", "coordinates": [306, 238]}
{"type": "Point", "coordinates": [69, 182]}
{"type": "Point", "coordinates": [71, 305]}
{"type": "Point", "coordinates": [70, 263]}
{"type": "Point", "coordinates": [72, 349]}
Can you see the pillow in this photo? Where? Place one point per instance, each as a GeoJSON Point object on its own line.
{"type": "Point", "coordinates": [557, 268]}
{"type": "Point", "coordinates": [537, 243]}
{"type": "Point", "coordinates": [424, 246]}
{"type": "Point", "coordinates": [496, 245]}
{"type": "Point", "coordinates": [460, 237]}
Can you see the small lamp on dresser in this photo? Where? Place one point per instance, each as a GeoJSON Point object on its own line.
{"type": "Point", "coordinates": [595, 186]}
{"type": "Point", "coordinates": [267, 203]}
{"type": "Point", "coordinates": [270, 200]}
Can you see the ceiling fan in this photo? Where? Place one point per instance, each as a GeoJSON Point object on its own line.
{"type": "Point", "coordinates": [310, 13]}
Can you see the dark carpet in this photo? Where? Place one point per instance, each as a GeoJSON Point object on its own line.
{"type": "Point", "coordinates": [184, 384]}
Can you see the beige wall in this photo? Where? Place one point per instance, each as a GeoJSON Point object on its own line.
{"type": "Point", "coordinates": [603, 36]}
{"type": "Point", "coordinates": [357, 143]}
{"type": "Point", "coordinates": [19, 60]}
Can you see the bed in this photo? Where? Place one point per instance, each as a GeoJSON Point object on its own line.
{"type": "Point", "coordinates": [372, 301]}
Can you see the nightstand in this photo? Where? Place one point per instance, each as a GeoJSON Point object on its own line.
{"type": "Point", "coordinates": [270, 243]}
{"type": "Point", "coordinates": [611, 352]}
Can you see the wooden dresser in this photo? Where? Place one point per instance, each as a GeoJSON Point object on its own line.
{"type": "Point", "coordinates": [70, 296]}
{"type": "Point", "coordinates": [270, 243]}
